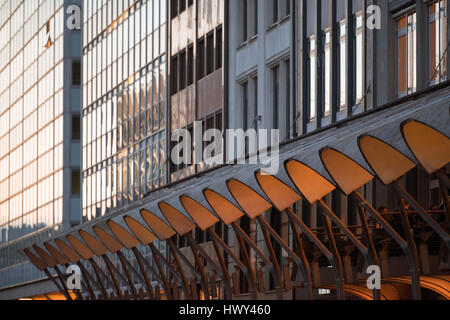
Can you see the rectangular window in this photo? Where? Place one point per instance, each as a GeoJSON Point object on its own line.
{"type": "Point", "coordinates": [190, 65]}
{"type": "Point", "coordinates": [343, 64]}
{"type": "Point", "coordinates": [182, 71]}
{"type": "Point", "coordinates": [219, 48]}
{"type": "Point", "coordinates": [359, 81]}
{"type": "Point", "coordinates": [210, 53]}
{"type": "Point", "coordinates": [312, 77]}
{"type": "Point", "coordinates": [76, 127]}
{"type": "Point", "coordinates": [327, 87]}
{"type": "Point", "coordinates": [245, 104]}
{"type": "Point", "coordinates": [438, 41]}
{"type": "Point", "coordinates": [201, 59]}
{"type": "Point", "coordinates": [406, 54]}
{"type": "Point", "coordinates": [274, 11]}
{"type": "Point", "coordinates": [76, 72]}
{"type": "Point", "coordinates": [276, 94]}
{"type": "Point", "coordinates": [287, 68]}
{"type": "Point", "coordinates": [249, 18]}
{"type": "Point", "coordinates": [182, 6]}
{"type": "Point", "coordinates": [174, 8]}
{"type": "Point", "coordinates": [174, 75]}
{"type": "Point", "coordinates": [250, 103]}
{"type": "Point", "coordinates": [244, 11]}
{"type": "Point", "coordinates": [279, 9]}
{"type": "Point", "coordinates": [76, 182]}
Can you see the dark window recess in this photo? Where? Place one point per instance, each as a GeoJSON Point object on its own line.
{"type": "Point", "coordinates": [190, 66]}
{"type": "Point", "coordinates": [245, 104]}
{"type": "Point", "coordinates": [174, 75]}
{"type": "Point", "coordinates": [199, 235]}
{"type": "Point", "coordinates": [76, 73]}
{"type": "Point", "coordinates": [182, 241]}
{"type": "Point", "coordinates": [244, 20]}
{"type": "Point", "coordinates": [276, 86]}
{"type": "Point", "coordinates": [219, 125]}
{"type": "Point", "coordinates": [182, 75]}
{"type": "Point", "coordinates": [201, 59]}
{"type": "Point", "coordinates": [174, 167]}
{"type": "Point", "coordinates": [76, 182]}
{"type": "Point", "coordinates": [173, 8]}
{"type": "Point", "coordinates": [182, 6]}
{"type": "Point", "coordinates": [219, 48]}
{"type": "Point", "coordinates": [210, 124]}
{"type": "Point", "coordinates": [190, 3]}
{"type": "Point", "coordinates": [288, 98]}
{"type": "Point", "coordinates": [76, 127]}
{"type": "Point", "coordinates": [210, 53]}
{"type": "Point", "coordinates": [219, 229]}
{"type": "Point", "coordinates": [274, 11]}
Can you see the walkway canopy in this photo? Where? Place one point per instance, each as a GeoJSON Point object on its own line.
{"type": "Point", "coordinates": [385, 143]}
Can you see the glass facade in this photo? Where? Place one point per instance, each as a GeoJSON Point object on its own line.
{"type": "Point", "coordinates": [124, 103]}
{"type": "Point", "coordinates": [32, 113]}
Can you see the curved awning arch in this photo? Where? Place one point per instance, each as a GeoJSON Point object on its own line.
{"type": "Point", "coordinates": [347, 174]}
{"type": "Point", "coordinates": [312, 185]}
{"type": "Point", "coordinates": [281, 195]}
{"type": "Point", "coordinates": [430, 146]}
{"type": "Point", "coordinates": [202, 216]}
{"type": "Point", "coordinates": [388, 163]}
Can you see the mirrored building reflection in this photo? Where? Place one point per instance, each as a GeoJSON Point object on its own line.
{"type": "Point", "coordinates": [40, 147]}
{"type": "Point", "coordinates": [124, 103]}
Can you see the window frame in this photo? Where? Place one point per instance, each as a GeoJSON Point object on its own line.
{"type": "Point", "coordinates": [408, 31]}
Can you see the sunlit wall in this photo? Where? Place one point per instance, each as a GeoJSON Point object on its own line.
{"type": "Point", "coordinates": [39, 145]}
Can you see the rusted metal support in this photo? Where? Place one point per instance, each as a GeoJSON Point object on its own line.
{"type": "Point", "coordinates": [226, 275]}
{"type": "Point", "coordinates": [140, 262]}
{"type": "Point", "coordinates": [180, 270]}
{"type": "Point", "coordinates": [271, 264]}
{"type": "Point", "coordinates": [115, 283]}
{"type": "Point", "coordinates": [248, 261]}
{"type": "Point", "coordinates": [296, 259]}
{"type": "Point", "coordinates": [414, 267]}
{"type": "Point", "coordinates": [276, 264]}
{"type": "Point", "coordinates": [353, 239]}
{"type": "Point", "coordinates": [307, 281]}
{"type": "Point", "coordinates": [334, 260]}
{"type": "Point", "coordinates": [124, 262]}
{"type": "Point", "coordinates": [152, 270]}
{"type": "Point", "coordinates": [247, 271]}
{"type": "Point", "coordinates": [444, 185]}
{"type": "Point", "coordinates": [175, 272]}
{"type": "Point", "coordinates": [196, 272]}
{"type": "Point", "coordinates": [165, 282]}
{"type": "Point", "coordinates": [403, 244]}
{"type": "Point", "coordinates": [199, 263]}
{"type": "Point", "coordinates": [335, 251]}
{"type": "Point", "coordinates": [60, 289]}
{"type": "Point", "coordinates": [401, 192]}
{"type": "Point", "coordinates": [62, 279]}
{"type": "Point", "coordinates": [87, 277]}
{"type": "Point", "coordinates": [134, 271]}
{"type": "Point", "coordinates": [213, 265]}
{"type": "Point", "coordinates": [369, 255]}
{"type": "Point", "coordinates": [98, 273]}
{"type": "Point", "coordinates": [370, 245]}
